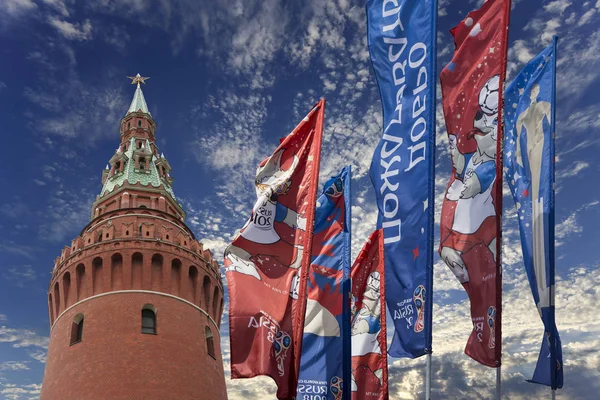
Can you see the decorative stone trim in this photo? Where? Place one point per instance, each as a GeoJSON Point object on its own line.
{"type": "Point", "coordinates": [138, 291]}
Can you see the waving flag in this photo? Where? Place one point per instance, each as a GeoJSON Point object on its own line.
{"type": "Point", "coordinates": [268, 261]}
{"type": "Point", "coordinates": [369, 352]}
{"type": "Point", "coordinates": [325, 361]}
{"type": "Point", "coordinates": [470, 239]}
{"type": "Point", "coordinates": [402, 44]}
{"type": "Point", "coordinates": [529, 156]}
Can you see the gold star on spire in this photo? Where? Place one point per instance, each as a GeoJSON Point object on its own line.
{"type": "Point", "coordinates": [138, 79]}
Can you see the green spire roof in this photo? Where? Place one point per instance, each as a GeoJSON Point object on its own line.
{"type": "Point", "coordinates": [138, 103]}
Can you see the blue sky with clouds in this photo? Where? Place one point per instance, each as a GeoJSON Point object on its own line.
{"type": "Point", "coordinates": [228, 79]}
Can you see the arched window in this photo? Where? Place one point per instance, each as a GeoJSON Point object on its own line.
{"type": "Point", "coordinates": [215, 301]}
{"type": "Point", "coordinates": [149, 319]}
{"type": "Point", "coordinates": [77, 329]}
{"type": "Point", "coordinates": [210, 344]}
{"type": "Point", "coordinates": [140, 123]}
{"type": "Point", "coordinates": [206, 289]}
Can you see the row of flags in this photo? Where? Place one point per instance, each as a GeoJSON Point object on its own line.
{"type": "Point", "coordinates": [302, 313]}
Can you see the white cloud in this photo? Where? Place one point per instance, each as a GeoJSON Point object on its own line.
{"type": "Point", "coordinates": [13, 366]}
{"type": "Point", "coordinates": [22, 338]}
{"type": "Point", "coordinates": [557, 6]}
{"type": "Point", "coordinates": [12, 391]}
{"type": "Point", "coordinates": [77, 31]}
{"type": "Point", "coordinates": [20, 276]}
{"type": "Point", "coordinates": [16, 8]}
{"type": "Point", "coordinates": [59, 6]}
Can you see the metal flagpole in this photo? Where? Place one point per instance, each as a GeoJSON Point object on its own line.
{"type": "Point", "coordinates": [498, 383]}
{"type": "Point", "coordinates": [428, 377]}
{"type": "Point", "coordinates": [553, 380]}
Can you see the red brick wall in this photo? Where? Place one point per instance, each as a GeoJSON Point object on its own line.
{"type": "Point", "coordinates": [116, 361]}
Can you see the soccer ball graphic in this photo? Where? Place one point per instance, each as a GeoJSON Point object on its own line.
{"type": "Point", "coordinates": [491, 319]}
{"type": "Point", "coordinates": [335, 189]}
{"type": "Point", "coordinates": [281, 344]}
{"type": "Point", "coordinates": [336, 387]}
{"type": "Point", "coordinates": [419, 299]}
{"type": "Point", "coordinates": [488, 96]}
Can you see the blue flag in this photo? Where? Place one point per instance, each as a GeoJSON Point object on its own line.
{"type": "Point", "coordinates": [325, 361]}
{"type": "Point", "coordinates": [529, 168]}
{"type": "Point", "coordinates": [402, 43]}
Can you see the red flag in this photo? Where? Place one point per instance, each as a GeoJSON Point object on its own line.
{"type": "Point", "coordinates": [470, 240]}
{"type": "Point", "coordinates": [268, 261]}
{"type": "Point", "coordinates": [368, 333]}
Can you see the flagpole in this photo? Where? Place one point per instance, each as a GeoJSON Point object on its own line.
{"type": "Point", "coordinates": [553, 380]}
{"type": "Point", "coordinates": [498, 383]}
{"type": "Point", "coordinates": [431, 211]}
{"type": "Point", "coordinates": [346, 290]}
{"type": "Point", "coordinates": [428, 377]}
{"type": "Point", "coordinates": [310, 218]}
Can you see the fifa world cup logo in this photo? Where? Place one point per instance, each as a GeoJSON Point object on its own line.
{"type": "Point", "coordinates": [491, 319]}
{"type": "Point", "coordinates": [336, 387]}
{"type": "Point", "coordinates": [419, 299]}
{"type": "Point", "coordinates": [281, 344]}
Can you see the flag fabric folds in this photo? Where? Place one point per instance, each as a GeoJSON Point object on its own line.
{"type": "Point", "coordinates": [402, 45]}
{"type": "Point", "coordinates": [529, 160]}
{"type": "Point", "coordinates": [369, 351]}
{"type": "Point", "coordinates": [268, 261]}
{"type": "Point", "coordinates": [470, 237]}
{"type": "Point", "coordinates": [325, 361]}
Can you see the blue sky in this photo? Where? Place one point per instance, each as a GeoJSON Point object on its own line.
{"type": "Point", "coordinates": [228, 79]}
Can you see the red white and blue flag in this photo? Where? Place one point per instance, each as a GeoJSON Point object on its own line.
{"type": "Point", "coordinates": [325, 361]}
{"type": "Point", "coordinates": [470, 238]}
{"type": "Point", "coordinates": [529, 159]}
{"type": "Point", "coordinates": [368, 334]}
{"type": "Point", "coordinates": [268, 261]}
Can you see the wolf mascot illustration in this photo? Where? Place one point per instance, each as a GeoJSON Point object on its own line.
{"type": "Point", "coordinates": [474, 214]}
{"type": "Point", "coordinates": [259, 233]}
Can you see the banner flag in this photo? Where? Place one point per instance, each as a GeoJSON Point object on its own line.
{"type": "Point", "coordinates": [529, 157]}
{"type": "Point", "coordinates": [268, 261]}
{"type": "Point", "coordinates": [402, 43]}
{"type": "Point", "coordinates": [325, 361]}
{"type": "Point", "coordinates": [470, 237]}
{"type": "Point", "coordinates": [369, 337]}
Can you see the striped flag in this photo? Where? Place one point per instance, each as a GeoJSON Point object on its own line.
{"type": "Point", "coordinates": [325, 362]}
{"type": "Point", "coordinates": [529, 157]}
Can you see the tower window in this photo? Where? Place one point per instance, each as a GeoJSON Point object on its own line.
{"type": "Point", "coordinates": [139, 123]}
{"type": "Point", "coordinates": [149, 319]}
{"type": "Point", "coordinates": [142, 163]}
{"type": "Point", "coordinates": [128, 125]}
{"type": "Point", "coordinates": [210, 344]}
{"type": "Point", "coordinates": [77, 329]}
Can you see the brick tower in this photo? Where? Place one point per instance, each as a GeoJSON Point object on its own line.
{"type": "Point", "coordinates": [135, 301]}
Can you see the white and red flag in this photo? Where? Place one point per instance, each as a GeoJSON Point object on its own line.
{"type": "Point", "coordinates": [470, 239]}
{"type": "Point", "coordinates": [368, 332]}
{"type": "Point", "coordinates": [268, 261]}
